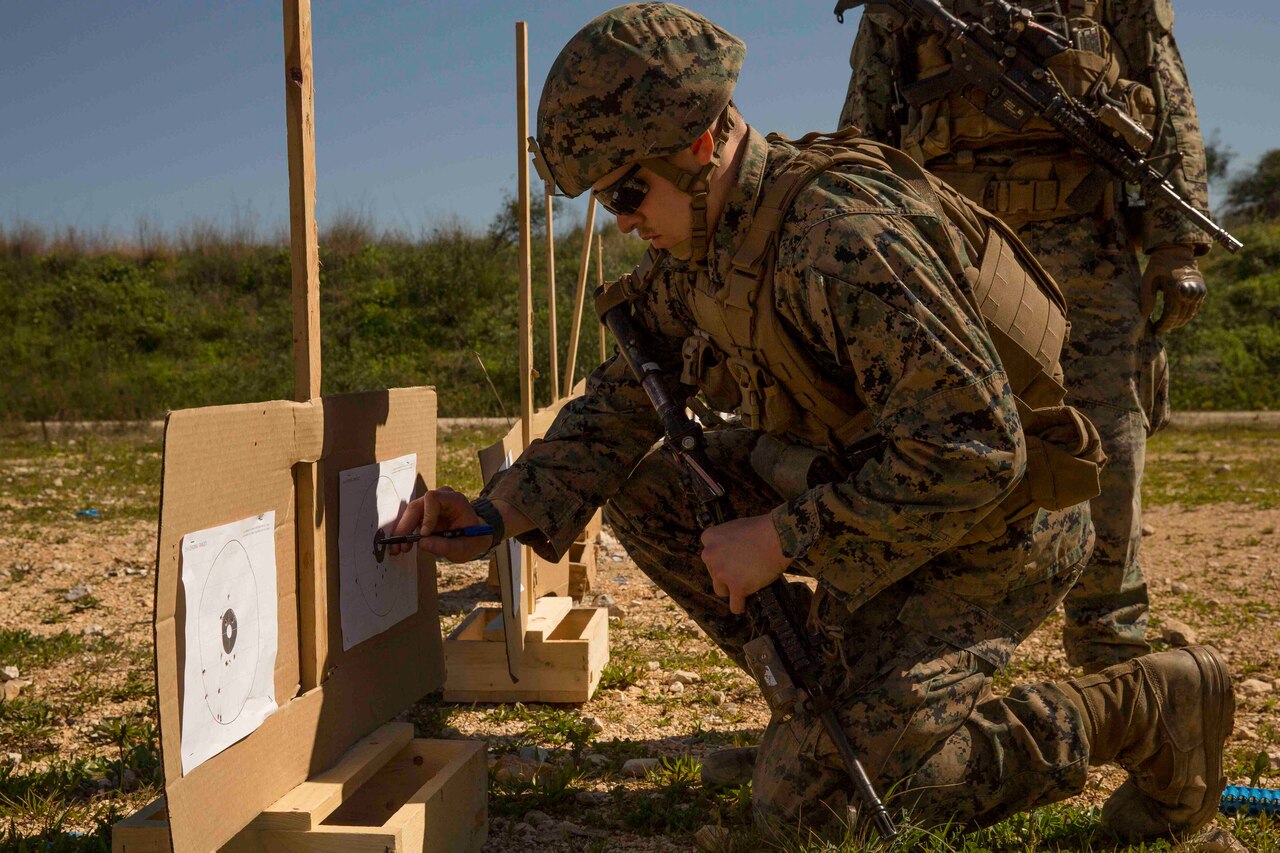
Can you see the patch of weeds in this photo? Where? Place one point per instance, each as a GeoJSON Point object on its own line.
{"type": "Point", "coordinates": [552, 787]}
{"type": "Point", "coordinates": [25, 650]}
{"type": "Point", "coordinates": [87, 603]}
{"type": "Point", "coordinates": [18, 572]}
{"type": "Point", "coordinates": [26, 724]}
{"type": "Point", "coordinates": [619, 675]}
{"type": "Point", "coordinates": [680, 804]}
{"type": "Point", "coordinates": [431, 717]}
{"type": "Point", "coordinates": [136, 745]}
{"type": "Point", "coordinates": [675, 771]}
{"type": "Point", "coordinates": [138, 683]}
{"type": "Point", "coordinates": [547, 726]}
{"type": "Point", "coordinates": [119, 475]}
{"type": "Point", "coordinates": [456, 461]}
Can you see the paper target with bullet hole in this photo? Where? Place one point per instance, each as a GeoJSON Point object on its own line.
{"type": "Point", "coordinates": [229, 583]}
{"type": "Point", "coordinates": [376, 590]}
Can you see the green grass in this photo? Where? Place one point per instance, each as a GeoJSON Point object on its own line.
{"type": "Point", "coordinates": [456, 462]}
{"type": "Point", "coordinates": [1201, 467]}
{"type": "Point", "coordinates": [117, 475]}
{"type": "Point", "coordinates": [27, 651]}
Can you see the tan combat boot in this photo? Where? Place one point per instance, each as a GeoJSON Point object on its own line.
{"type": "Point", "coordinates": [1164, 718]}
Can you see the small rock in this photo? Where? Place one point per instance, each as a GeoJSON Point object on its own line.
{"type": "Point", "coordinates": [652, 665]}
{"type": "Point", "coordinates": [1243, 732]}
{"type": "Point", "coordinates": [675, 688]}
{"type": "Point", "coordinates": [533, 817]}
{"type": "Point", "coordinates": [568, 827]}
{"type": "Point", "coordinates": [615, 558]}
{"type": "Point", "coordinates": [608, 540]}
{"type": "Point", "coordinates": [718, 697]}
{"type": "Point", "coordinates": [594, 723]}
{"type": "Point", "coordinates": [595, 760]}
{"type": "Point", "coordinates": [1223, 469]}
{"type": "Point", "coordinates": [1178, 633]}
{"type": "Point", "coordinates": [512, 768]}
{"type": "Point", "coordinates": [690, 627]}
{"type": "Point", "coordinates": [606, 600]}
{"type": "Point", "coordinates": [13, 759]}
{"type": "Point", "coordinates": [78, 592]}
{"type": "Point", "coordinates": [660, 594]}
{"type": "Point", "coordinates": [1213, 602]}
{"type": "Point", "coordinates": [1179, 588]}
{"type": "Point", "coordinates": [129, 779]}
{"type": "Point", "coordinates": [523, 828]}
{"type": "Point", "coordinates": [729, 709]}
{"type": "Point", "coordinates": [9, 673]}
{"type": "Point", "coordinates": [92, 631]}
{"type": "Point", "coordinates": [1255, 687]}
{"type": "Point", "coordinates": [711, 838]}
{"type": "Point", "coordinates": [638, 768]}
{"type": "Point", "coordinates": [11, 690]}
{"type": "Point", "coordinates": [1148, 530]}
{"type": "Point", "coordinates": [591, 798]}
{"type": "Point", "coordinates": [634, 690]}
{"type": "Point", "coordinates": [684, 676]}
{"type": "Point", "coordinates": [536, 754]}
{"type": "Point", "coordinates": [1213, 840]}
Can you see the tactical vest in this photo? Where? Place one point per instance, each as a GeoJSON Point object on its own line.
{"type": "Point", "coordinates": [745, 358]}
{"type": "Point", "coordinates": [946, 131]}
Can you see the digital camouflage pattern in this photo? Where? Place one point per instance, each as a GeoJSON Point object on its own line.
{"type": "Point", "coordinates": [913, 625]}
{"type": "Point", "coordinates": [613, 91]}
{"type": "Point", "coordinates": [1114, 365]}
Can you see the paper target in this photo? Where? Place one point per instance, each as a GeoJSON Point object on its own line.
{"type": "Point", "coordinates": [229, 583]}
{"type": "Point", "coordinates": [375, 577]}
{"type": "Point", "coordinates": [374, 593]}
{"type": "Point", "coordinates": [228, 626]}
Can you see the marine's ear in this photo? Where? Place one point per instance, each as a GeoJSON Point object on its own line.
{"type": "Point", "coordinates": [703, 147]}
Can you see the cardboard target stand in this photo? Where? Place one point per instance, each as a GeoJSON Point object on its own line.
{"type": "Point", "coordinates": [325, 771]}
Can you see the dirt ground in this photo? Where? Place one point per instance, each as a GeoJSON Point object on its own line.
{"type": "Point", "coordinates": [1210, 554]}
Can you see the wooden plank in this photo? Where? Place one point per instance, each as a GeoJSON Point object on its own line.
{"type": "Point", "coordinates": [307, 805]}
{"type": "Point", "coordinates": [145, 831]}
{"type": "Point", "coordinates": [554, 378]}
{"type": "Point", "coordinates": [299, 89]}
{"type": "Point", "coordinates": [525, 245]}
{"type": "Point", "coordinates": [604, 348]}
{"type": "Point", "coordinates": [546, 616]}
{"type": "Point", "coordinates": [564, 666]}
{"type": "Point", "coordinates": [449, 812]}
{"type": "Point", "coordinates": [580, 294]}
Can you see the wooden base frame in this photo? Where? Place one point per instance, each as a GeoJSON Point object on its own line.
{"type": "Point", "coordinates": [390, 793]}
{"type": "Point", "coordinates": [566, 649]}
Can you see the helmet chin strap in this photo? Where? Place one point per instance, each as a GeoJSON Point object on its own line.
{"type": "Point", "coordinates": [696, 186]}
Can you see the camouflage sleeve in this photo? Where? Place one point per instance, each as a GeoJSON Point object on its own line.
{"type": "Point", "coordinates": [595, 441]}
{"type": "Point", "coordinates": [952, 440]}
{"type": "Point", "coordinates": [874, 63]}
{"type": "Point", "coordinates": [1144, 34]}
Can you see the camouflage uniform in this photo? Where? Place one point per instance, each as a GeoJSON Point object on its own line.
{"type": "Point", "coordinates": [1115, 365]}
{"type": "Point", "coordinates": [914, 623]}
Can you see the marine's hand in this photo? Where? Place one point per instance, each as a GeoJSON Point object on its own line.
{"type": "Point", "coordinates": [440, 509]}
{"type": "Point", "coordinates": [1172, 271]}
{"type": "Point", "coordinates": [742, 557]}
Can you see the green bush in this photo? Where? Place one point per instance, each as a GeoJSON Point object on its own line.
{"type": "Point", "coordinates": [109, 334]}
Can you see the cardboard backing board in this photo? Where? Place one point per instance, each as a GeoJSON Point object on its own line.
{"type": "Point", "coordinates": [229, 462]}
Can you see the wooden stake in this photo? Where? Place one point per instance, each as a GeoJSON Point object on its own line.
{"type": "Point", "coordinates": [300, 125]}
{"type": "Point", "coordinates": [526, 257]}
{"type": "Point", "coordinates": [588, 236]}
{"type": "Point", "coordinates": [604, 352]}
{"type": "Point", "coordinates": [549, 195]}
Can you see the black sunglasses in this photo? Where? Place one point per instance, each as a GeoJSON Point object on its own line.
{"type": "Point", "coordinates": [624, 196]}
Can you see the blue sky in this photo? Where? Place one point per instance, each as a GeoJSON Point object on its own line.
{"type": "Point", "coordinates": [115, 111]}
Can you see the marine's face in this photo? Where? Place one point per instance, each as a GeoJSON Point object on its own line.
{"type": "Point", "coordinates": [664, 218]}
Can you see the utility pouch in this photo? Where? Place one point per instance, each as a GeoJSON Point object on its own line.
{"type": "Point", "coordinates": [791, 469]}
{"type": "Point", "coordinates": [704, 367]}
{"type": "Point", "coordinates": [780, 692]}
{"type": "Point", "coordinates": [764, 404]}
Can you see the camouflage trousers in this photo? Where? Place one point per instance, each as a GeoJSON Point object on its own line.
{"type": "Point", "coordinates": [1116, 375]}
{"type": "Point", "coordinates": [911, 670]}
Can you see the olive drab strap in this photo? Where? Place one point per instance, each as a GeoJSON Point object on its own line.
{"type": "Point", "coordinates": [627, 288]}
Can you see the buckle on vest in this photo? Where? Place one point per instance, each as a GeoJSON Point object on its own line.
{"type": "Point", "coordinates": [764, 404]}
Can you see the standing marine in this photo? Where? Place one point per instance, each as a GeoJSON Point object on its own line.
{"type": "Point", "coordinates": [1083, 224]}
{"type": "Point", "coordinates": [922, 473]}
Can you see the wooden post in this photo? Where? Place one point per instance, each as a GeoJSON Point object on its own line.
{"type": "Point", "coordinates": [604, 351]}
{"type": "Point", "coordinates": [522, 216]}
{"type": "Point", "coordinates": [299, 99]}
{"type": "Point", "coordinates": [588, 236]}
{"type": "Point", "coordinates": [549, 195]}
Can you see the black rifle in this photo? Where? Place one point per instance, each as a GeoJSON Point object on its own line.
{"type": "Point", "coordinates": [1003, 61]}
{"type": "Point", "coordinates": [785, 664]}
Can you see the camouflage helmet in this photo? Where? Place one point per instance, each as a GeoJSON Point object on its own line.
{"type": "Point", "coordinates": [639, 82]}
